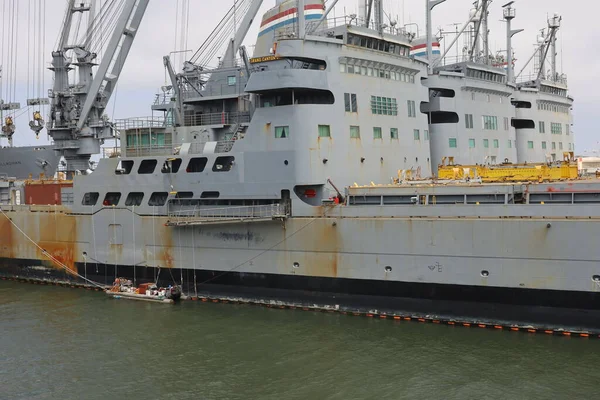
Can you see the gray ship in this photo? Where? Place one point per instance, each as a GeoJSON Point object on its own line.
{"type": "Point", "coordinates": [304, 175]}
{"type": "Point", "coordinates": [25, 162]}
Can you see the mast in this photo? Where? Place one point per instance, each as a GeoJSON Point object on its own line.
{"type": "Point", "coordinates": [378, 15]}
{"type": "Point", "coordinates": [486, 33]}
{"type": "Point", "coordinates": [509, 15]}
{"type": "Point", "coordinates": [301, 20]}
{"type": "Point", "coordinates": [430, 4]}
{"type": "Point", "coordinates": [554, 26]}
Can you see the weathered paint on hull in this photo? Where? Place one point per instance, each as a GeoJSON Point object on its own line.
{"type": "Point", "coordinates": [527, 262]}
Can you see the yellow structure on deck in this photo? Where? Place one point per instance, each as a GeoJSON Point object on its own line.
{"type": "Point", "coordinates": [565, 170]}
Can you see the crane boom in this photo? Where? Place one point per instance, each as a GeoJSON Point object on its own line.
{"type": "Point", "coordinates": [77, 122]}
{"type": "Point", "coordinates": [116, 54]}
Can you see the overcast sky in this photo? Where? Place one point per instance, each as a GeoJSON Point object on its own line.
{"type": "Point", "coordinates": [144, 73]}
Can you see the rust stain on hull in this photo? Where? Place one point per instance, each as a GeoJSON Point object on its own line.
{"type": "Point", "coordinates": [61, 255]}
{"type": "Point", "coordinates": [6, 238]}
{"type": "Point", "coordinates": [54, 232]}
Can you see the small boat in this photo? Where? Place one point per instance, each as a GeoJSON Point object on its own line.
{"type": "Point", "coordinates": [123, 288]}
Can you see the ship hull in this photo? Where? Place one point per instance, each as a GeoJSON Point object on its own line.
{"type": "Point", "coordinates": [533, 270]}
{"type": "Point", "coordinates": [543, 309]}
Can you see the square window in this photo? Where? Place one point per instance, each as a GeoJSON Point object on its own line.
{"type": "Point", "coordinates": [282, 132]}
{"type": "Point", "coordinates": [452, 143]}
{"type": "Point", "coordinates": [324, 131]}
{"type": "Point", "coordinates": [417, 134]}
{"type": "Point", "coordinates": [342, 67]}
{"type": "Point", "coordinates": [560, 145]}
{"type": "Point", "coordinates": [377, 133]}
{"type": "Point", "coordinates": [394, 133]}
{"type": "Point", "coordinates": [553, 145]}
{"type": "Point", "coordinates": [231, 80]}
{"type": "Point", "coordinates": [496, 144]}
{"type": "Point", "coordinates": [544, 145]}
{"type": "Point", "coordinates": [471, 143]}
{"type": "Point", "coordinates": [530, 144]}
{"type": "Point", "coordinates": [486, 143]}
{"type": "Point", "coordinates": [354, 132]}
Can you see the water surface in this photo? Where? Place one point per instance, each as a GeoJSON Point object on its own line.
{"type": "Point", "coordinates": [59, 343]}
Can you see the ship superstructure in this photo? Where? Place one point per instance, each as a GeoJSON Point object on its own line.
{"type": "Point", "coordinates": [304, 172]}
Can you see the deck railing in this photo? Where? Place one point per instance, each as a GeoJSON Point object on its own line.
{"type": "Point", "coordinates": [222, 118]}
{"type": "Point", "coordinates": [199, 215]}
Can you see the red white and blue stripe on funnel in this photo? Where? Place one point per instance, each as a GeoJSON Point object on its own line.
{"type": "Point", "coordinates": [290, 16]}
{"type": "Point", "coordinates": [420, 50]}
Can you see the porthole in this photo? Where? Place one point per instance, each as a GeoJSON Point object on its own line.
{"type": "Point", "coordinates": [485, 273]}
{"type": "Point", "coordinates": [286, 162]}
{"type": "Point", "coordinates": [596, 278]}
{"type": "Point", "coordinates": [296, 265]}
{"type": "Point", "coordinates": [388, 268]}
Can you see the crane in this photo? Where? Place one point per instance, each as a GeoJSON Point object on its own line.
{"type": "Point", "coordinates": [77, 122]}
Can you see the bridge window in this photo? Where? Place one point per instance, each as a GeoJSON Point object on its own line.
{"type": "Point", "coordinates": [542, 127]}
{"type": "Point", "coordinates": [147, 167]}
{"type": "Point", "coordinates": [90, 199]}
{"type": "Point", "coordinates": [158, 199]}
{"type": "Point", "coordinates": [506, 123]}
{"type": "Point", "coordinates": [111, 199]}
{"type": "Point", "coordinates": [384, 105]}
{"type": "Point", "coordinates": [134, 199]}
{"type": "Point", "coordinates": [556, 128]}
{"type": "Point", "coordinates": [490, 123]}
{"type": "Point", "coordinates": [196, 164]}
{"type": "Point", "coordinates": [231, 80]}
{"type": "Point", "coordinates": [223, 164]}
{"type": "Point", "coordinates": [282, 132]}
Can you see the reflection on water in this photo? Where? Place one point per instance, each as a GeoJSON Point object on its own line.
{"type": "Point", "coordinates": [74, 344]}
